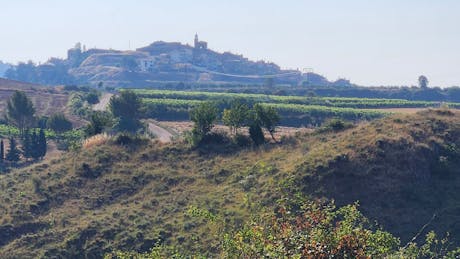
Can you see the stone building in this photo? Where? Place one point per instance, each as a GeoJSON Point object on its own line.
{"type": "Point", "coordinates": [200, 44]}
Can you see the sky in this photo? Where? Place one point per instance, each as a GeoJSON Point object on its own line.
{"type": "Point", "coordinates": [370, 42]}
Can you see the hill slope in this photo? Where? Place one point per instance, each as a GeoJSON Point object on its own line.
{"type": "Point", "coordinates": [402, 170]}
{"type": "Point", "coordinates": [47, 101]}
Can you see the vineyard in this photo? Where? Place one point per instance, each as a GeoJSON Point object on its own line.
{"type": "Point", "coordinates": [295, 110]}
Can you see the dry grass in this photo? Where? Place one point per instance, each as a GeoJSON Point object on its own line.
{"type": "Point", "coordinates": [180, 127]}
{"type": "Point", "coordinates": [97, 140]}
{"type": "Point", "coordinates": [401, 110]}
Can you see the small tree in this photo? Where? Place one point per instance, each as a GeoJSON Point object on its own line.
{"type": "Point", "coordinates": [20, 111]}
{"type": "Point", "coordinates": [13, 151]}
{"type": "Point", "coordinates": [235, 117]}
{"type": "Point", "coordinates": [126, 109]}
{"type": "Point", "coordinates": [59, 123]}
{"type": "Point", "coordinates": [266, 117]}
{"type": "Point", "coordinates": [423, 82]}
{"type": "Point", "coordinates": [98, 122]}
{"type": "Point", "coordinates": [204, 116]}
{"type": "Point", "coordinates": [92, 98]}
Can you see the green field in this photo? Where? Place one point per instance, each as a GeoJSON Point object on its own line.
{"type": "Point", "coordinates": [344, 102]}
{"type": "Point", "coordinates": [295, 110]}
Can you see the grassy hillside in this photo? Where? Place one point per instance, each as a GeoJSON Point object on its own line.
{"type": "Point", "coordinates": [402, 169]}
{"type": "Point", "coordinates": [47, 101]}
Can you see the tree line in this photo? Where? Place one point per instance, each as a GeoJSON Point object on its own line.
{"type": "Point", "coordinates": [20, 113]}
{"type": "Point", "coordinates": [257, 117]}
{"type": "Point", "coordinates": [127, 109]}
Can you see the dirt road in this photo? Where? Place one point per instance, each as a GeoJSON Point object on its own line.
{"type": "Point", "coordinates": [162, 134]}
{"type": "Point", "coordinates": [103, 102]}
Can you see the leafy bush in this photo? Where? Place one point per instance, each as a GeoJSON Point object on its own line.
{"type": "Point", "coordinates": [335, 125]}
{"type": "Point", "coordinates": [315, 231]}
{"type": "Point", "coordinates": [59, 123]}
{"type": "Point", "coordinates": [92, 98]}
{"type": "Point", "coordinates": [98, 123]}
{"type": "Point", "coordinates": [127, 139]}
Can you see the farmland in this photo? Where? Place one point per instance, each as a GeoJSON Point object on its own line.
{"type": "Point", "coordinates": [294, 110]}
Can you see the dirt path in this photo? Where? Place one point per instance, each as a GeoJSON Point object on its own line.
{"type": "Point", "coordinates": [103, 102]}
{"type": "Point", "coordinates": [162, 134]}
{"type": "Point", "coordinates": [400, 110]}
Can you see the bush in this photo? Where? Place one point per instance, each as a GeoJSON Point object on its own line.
{"type": "Point", "coordinates": [316, 231]}
{"type": "Point", "coordinates": [242, 140]}
{"type": "Point", "coordinates": [86, 171]}
{"type": "Point", "coordinates": [59, 123]}
{"type": "Point", "coordinates": [98, 123]}
{"type": "Point", "coordinates": [126, 139]}
{"type": "Point", "coordinates": [92, 98]}
{"type": "Point", "coordinates": [336, 125]}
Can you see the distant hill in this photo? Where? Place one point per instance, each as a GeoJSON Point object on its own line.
{"type": "Point", "coordinates": [402, 170]}
{"type": "Point", "coordinates": [160, 62]}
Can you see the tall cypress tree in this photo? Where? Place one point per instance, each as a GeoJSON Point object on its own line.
{"type": "Point", "coordinates": [42, 143]}
{"type": "Point", "coordinates": [2, 151]}
{"type": "Point", "coordinates": [35, 145]}
{"type": "Point", "coordinates": [13, 151]}
{"type": "Point", "coordinates": [27, 145]}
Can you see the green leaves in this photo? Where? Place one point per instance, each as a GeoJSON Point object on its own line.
{"type": "Point", "coordinates": [59, 123]}
{"type": "Point", "coordinates": [236, 117]}
{"type": "Point", "coordinates": [126, 109]}
{"type": "Point", "coordinates": [204, 116]}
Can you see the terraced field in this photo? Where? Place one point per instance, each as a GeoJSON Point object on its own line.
{"type": "Point", "coordinates": [295, 110]}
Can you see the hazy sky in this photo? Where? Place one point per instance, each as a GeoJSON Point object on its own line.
{"type": "Point", "coordinates": [371, 42]}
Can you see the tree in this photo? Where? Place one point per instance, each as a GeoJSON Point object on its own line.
{"type": "Point", "coordinates": [13, 151]}
{"type": "Point", "coordinates": [28, 146]}
{"type": "Point", "coordinates": [41, 144]}
{"type": "Point", "coordinates": [98, 121]}
{"type": "Point", "coordinates": [204, 116]}
{"type": "Point", "coordinates": [423, 82]}
{"type": "Point", "coordinates": [236, 117]}
{"type": "Point", "coordinates": [20, 111]}
{"type": "Point", "coordinates": [92, 98]}
{"type": "Point", "coordinates": [266, 117]}
{"type": "Point", "coordinates": [2, 151]}
{"type": "Point", "coordinates": [126, 109]}
{"type": "Point", "coordinates": [59, 123]}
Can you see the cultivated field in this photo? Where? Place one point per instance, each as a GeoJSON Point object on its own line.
{"type": "Point", "coordinates": [295, 111]}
